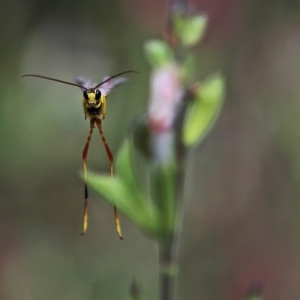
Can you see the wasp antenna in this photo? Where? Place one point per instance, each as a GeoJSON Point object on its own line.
{"type": "Point", "coordinates": [114, 76]}
{"type": "Point", "coordinates": [54, 79]}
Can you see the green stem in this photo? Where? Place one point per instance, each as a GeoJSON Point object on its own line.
{"type": "Point", "coordinates": [169, 250]}
{"type": "Point", "coordinates": [168, 266]}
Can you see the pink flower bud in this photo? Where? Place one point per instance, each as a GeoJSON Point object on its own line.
{"type": "Point", "coordinates": [164, 98]}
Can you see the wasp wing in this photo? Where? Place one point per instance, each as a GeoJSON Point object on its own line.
{"type": "Point", "coordinates": [83, 81]}
{"type": "Point", "coordinates": [108, 86]}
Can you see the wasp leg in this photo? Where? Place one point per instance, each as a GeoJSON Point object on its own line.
{"type": "Point", "coordinates": [111, 160]}
{"type": "Point", "coordinates": [86, 195]}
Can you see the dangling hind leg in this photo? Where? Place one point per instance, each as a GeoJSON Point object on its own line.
{"type": "Point", "coordinates": [111, 160]}
{"type": "Point", "coordinates": [86, 195]}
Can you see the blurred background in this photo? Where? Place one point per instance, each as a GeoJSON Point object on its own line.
{"type": "Point", "coordinates": [243, 216]}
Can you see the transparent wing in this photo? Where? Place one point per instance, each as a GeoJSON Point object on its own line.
{"type": "Point", "coordinates": [84, 82]}
{"type": "Point", "coordinates": [108, 86]}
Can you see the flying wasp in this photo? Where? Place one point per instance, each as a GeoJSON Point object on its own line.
{"type": "Point", "coordinates": [94, 108]}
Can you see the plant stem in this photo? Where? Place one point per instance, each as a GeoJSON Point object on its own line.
{"type": "Point", "coordinates": [167, 263]}
{"type": "Point", "coordinates": [169, 250]}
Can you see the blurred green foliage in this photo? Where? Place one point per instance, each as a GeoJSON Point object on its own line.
{"type": "Point", "coordinates": [124, 191]}
{"type": "Point", "coordinates": [190, 30]}
{"type": "Point", "coordinates": [158, 53]}
{"type": "Point", "coordinates": [203, 110]}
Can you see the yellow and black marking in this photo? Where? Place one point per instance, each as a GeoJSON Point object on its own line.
{"type": "Point", "coordinates": [94, 108]}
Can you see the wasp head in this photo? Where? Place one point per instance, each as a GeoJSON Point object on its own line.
{"type": "Point", "coordinates": [92, 97]}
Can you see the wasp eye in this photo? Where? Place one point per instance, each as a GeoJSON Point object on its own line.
{"type": "Point", "coordinates": [98, 94]}
{"type": "Point", "coordinates": [85, 95]}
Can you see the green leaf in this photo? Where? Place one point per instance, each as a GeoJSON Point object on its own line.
{"type": "Point", "coordinates": [190, 30]}
{"type": "Point", "coordinates": [203, 110]}
{"type": "Point", "coordinates": [124, 192]}
{"type": "Point", "coordinates": [158, 53]}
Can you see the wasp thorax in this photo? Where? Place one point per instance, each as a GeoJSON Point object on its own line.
{"type": "Point", "coordinates": [92, 97]}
